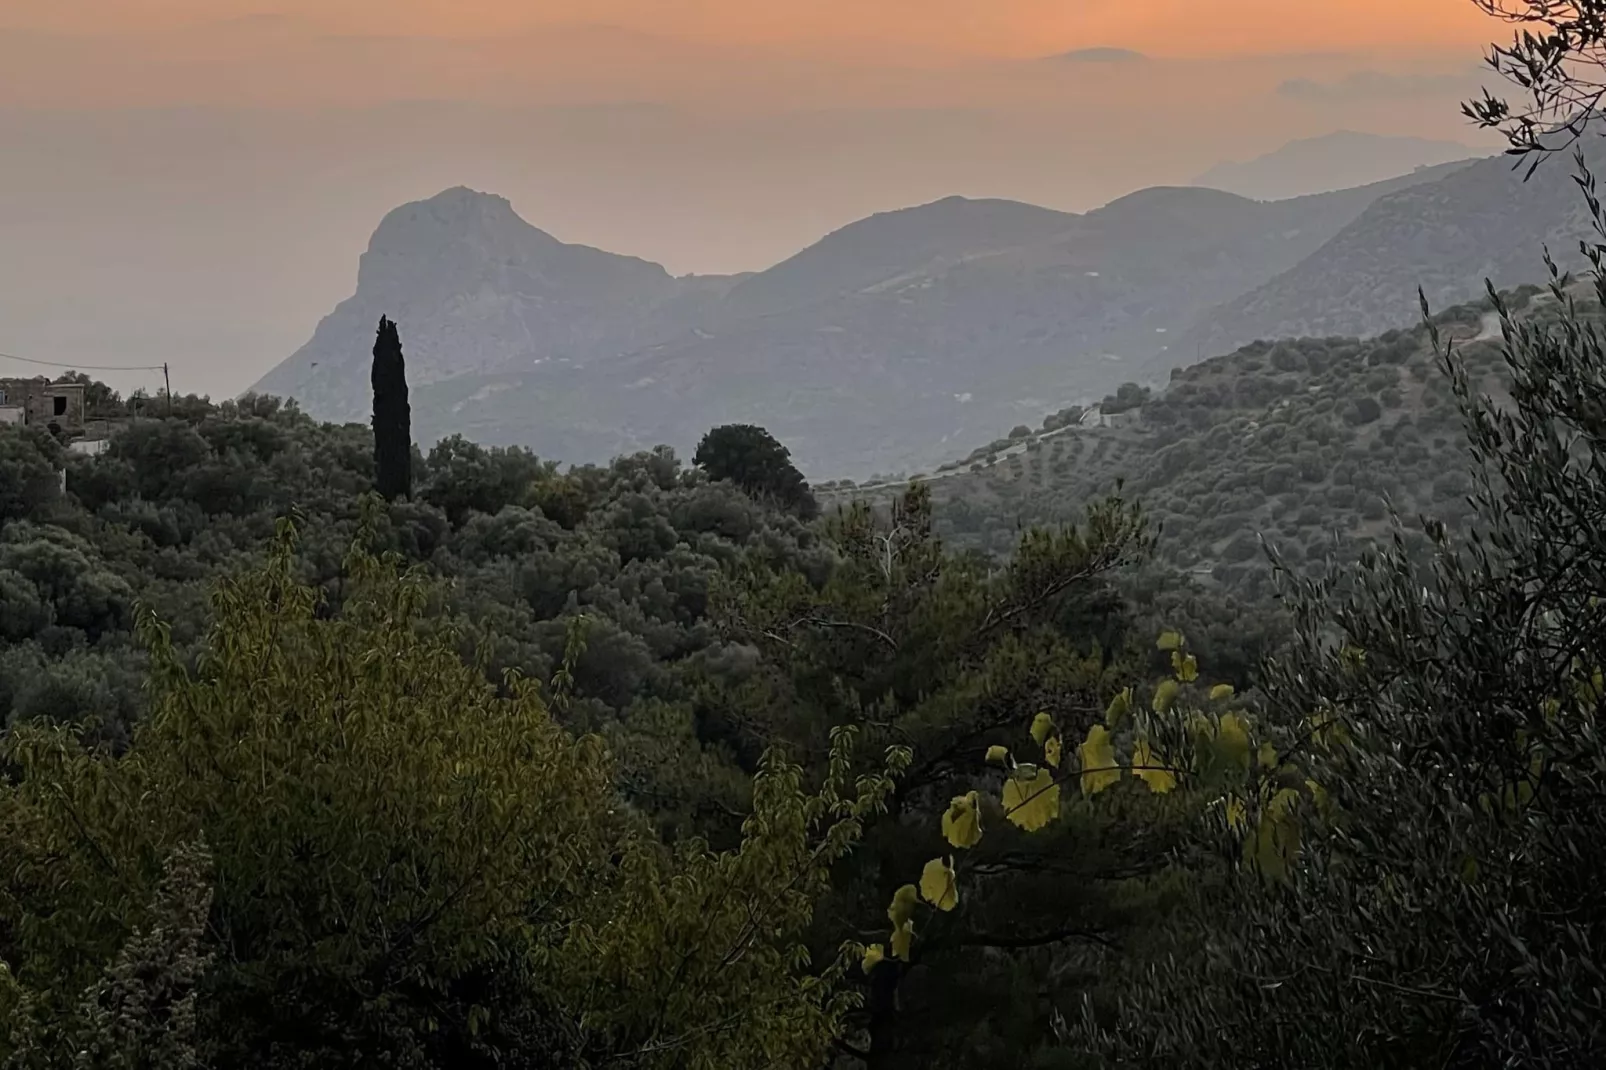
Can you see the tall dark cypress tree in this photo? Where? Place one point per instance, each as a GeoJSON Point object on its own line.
{"type": "Point", "coordinates": [393, 416]}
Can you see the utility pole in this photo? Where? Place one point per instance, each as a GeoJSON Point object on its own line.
{"type": "Point", "coordinates": [168, 383]}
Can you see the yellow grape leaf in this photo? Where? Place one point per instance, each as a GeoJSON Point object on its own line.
{"type": "Point", "coordinates": [1042, 728]}
{"type": "Point", "coordinates": [872, 956]}
{"type": "Point", "coordinates": [1318, 794]}
{"type": "Point", "coordinates": [997, 753]}
{"type": "Point", "coordinates": [938, 885]}
{"type": "Point", "coordinates": [1099, 768]}
{"type": "Point", "coordinates": [1232, 739]}
{"type": "Point", "coordinates": [1119, 706]}
{"type": "Point", "coordinates": [1236, 813]}
{"type": "Point", "coordinates": [1221, 693]}
{"type": "Point", "coordinates": [904, 902]}
{"type": "Point", "coordinates": [1267, 756]}
{"type": "Point", "coordinates": [1327, 730]}
{"type": "Point", "coordinates": [1051, 751]}
{"type": "Point", "coordinates": [961, 824]}
{"type": "Point", "coordinates": [902, 939]}
{"type": "Point", "coordinates": [1033, 800]}
{"type": "Point", "coordinates": [1186, 666]}
{"type": "Point", "coordinates": [1144, 763]}
{"type": "Point", "coordinates": [1164, 695]}
{"type": "Point", "coordinates": [1170, 640]}
{"type": "Point", "coordinates": [1275, 845]}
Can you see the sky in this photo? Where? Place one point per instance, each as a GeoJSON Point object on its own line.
{"type": "Point", "coordinates": [193, 180]}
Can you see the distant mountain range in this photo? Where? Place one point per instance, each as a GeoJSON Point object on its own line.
{"type": "Point", "coordinates": [902, 339]}
{"type": "Point", "coordinates": [1339, 160]}
{"type": "Point", "coordinates": [1447, 236]}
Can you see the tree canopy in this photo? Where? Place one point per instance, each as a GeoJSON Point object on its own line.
{"type": "Point", "coordinates": [751, 458]}
{"type": "Point", "coordinates": [391, 864]}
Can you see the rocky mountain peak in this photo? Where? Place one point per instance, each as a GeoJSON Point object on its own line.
{"type": "Point", "coordinates": [456, 212]}
{"type": "Point", "coordinates": [454, 229]}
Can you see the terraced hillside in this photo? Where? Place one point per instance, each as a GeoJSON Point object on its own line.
{"type": "Point", "coordinates": [1298, 441]}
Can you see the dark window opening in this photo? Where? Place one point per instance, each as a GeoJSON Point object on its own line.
{"type": "Point", "coordinates": [61, 405]}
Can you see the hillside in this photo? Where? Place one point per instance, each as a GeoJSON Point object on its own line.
{"type": "Point", "coordinates": [1332, 161]}
{"type": "Point", "coordinates": [884, 344]}
{"type": "Point", "coordinates": [1478, 221]}
{"type": "Point", "coordinates": [571, 724]}
{"type": "Point", "coordinates": [665, 576]}
{"type": "Point", "coordinates": [1297, 440]}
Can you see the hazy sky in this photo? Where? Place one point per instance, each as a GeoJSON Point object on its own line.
{"type": "Point", "coordinates": [194, 179]}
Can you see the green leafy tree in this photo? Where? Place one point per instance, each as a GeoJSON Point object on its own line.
{"type": "Point", "coordinates": [1127, 397]}
{"type": "Point", "coordinates": [752, 459]}
{"type": "Point", "coordinates": [945, 654]}
{"type": "Point", "coordinates": [464, 478]}
{"type": "Point", "coordinates": [68, 580]}
{"type": "Point", "coordinates": [393, 426]}
{"type": "Point", "coordinates": [395, 864]}
{"type": "Point", "coordinates": [1446, 911]}
{"type": "Point", "coordinates": [29, 472]}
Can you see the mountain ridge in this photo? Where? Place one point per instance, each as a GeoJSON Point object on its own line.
{"type": "Point", "coordinates": [873, 347]}
{"type": "Point", "coordinates": [1337, 160]}
{"type": "Point", "coordinates": [1479, 221]}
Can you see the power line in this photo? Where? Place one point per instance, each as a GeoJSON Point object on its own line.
{"type": "Point", "coordinates": [87, 367]}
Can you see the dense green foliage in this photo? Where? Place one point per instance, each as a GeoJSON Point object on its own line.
{"type": "Point", "coordinates": [394, 866]}
{"type": "Point", "coordinates": [1445, 911]}
{"type": "Point", "coordinates": [175, 504]}
{"type": "Point", "coordinates": [393, 423]}
{"type": "Point", "coordinates": [751, 458]}
{"type": "Point", "coordinates": [635, 588]}
{"type": "Point", "coordinates": [919, 647]}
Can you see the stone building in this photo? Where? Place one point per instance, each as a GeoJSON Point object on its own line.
{"type": "Point", "coordinates": [57, 406]}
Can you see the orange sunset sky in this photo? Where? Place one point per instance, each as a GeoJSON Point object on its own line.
{"type": "Point", "coordinates": [196, 178]}
{"type": "Point", "coordinates": [978, 27]}
{"type": "Point", "coordinates": [92, 53]}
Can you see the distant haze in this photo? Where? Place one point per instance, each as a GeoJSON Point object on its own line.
{"type": "Point", "coordinates": [193, 182]}
{"type": "Point", "coordinates": [1339, 160]}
